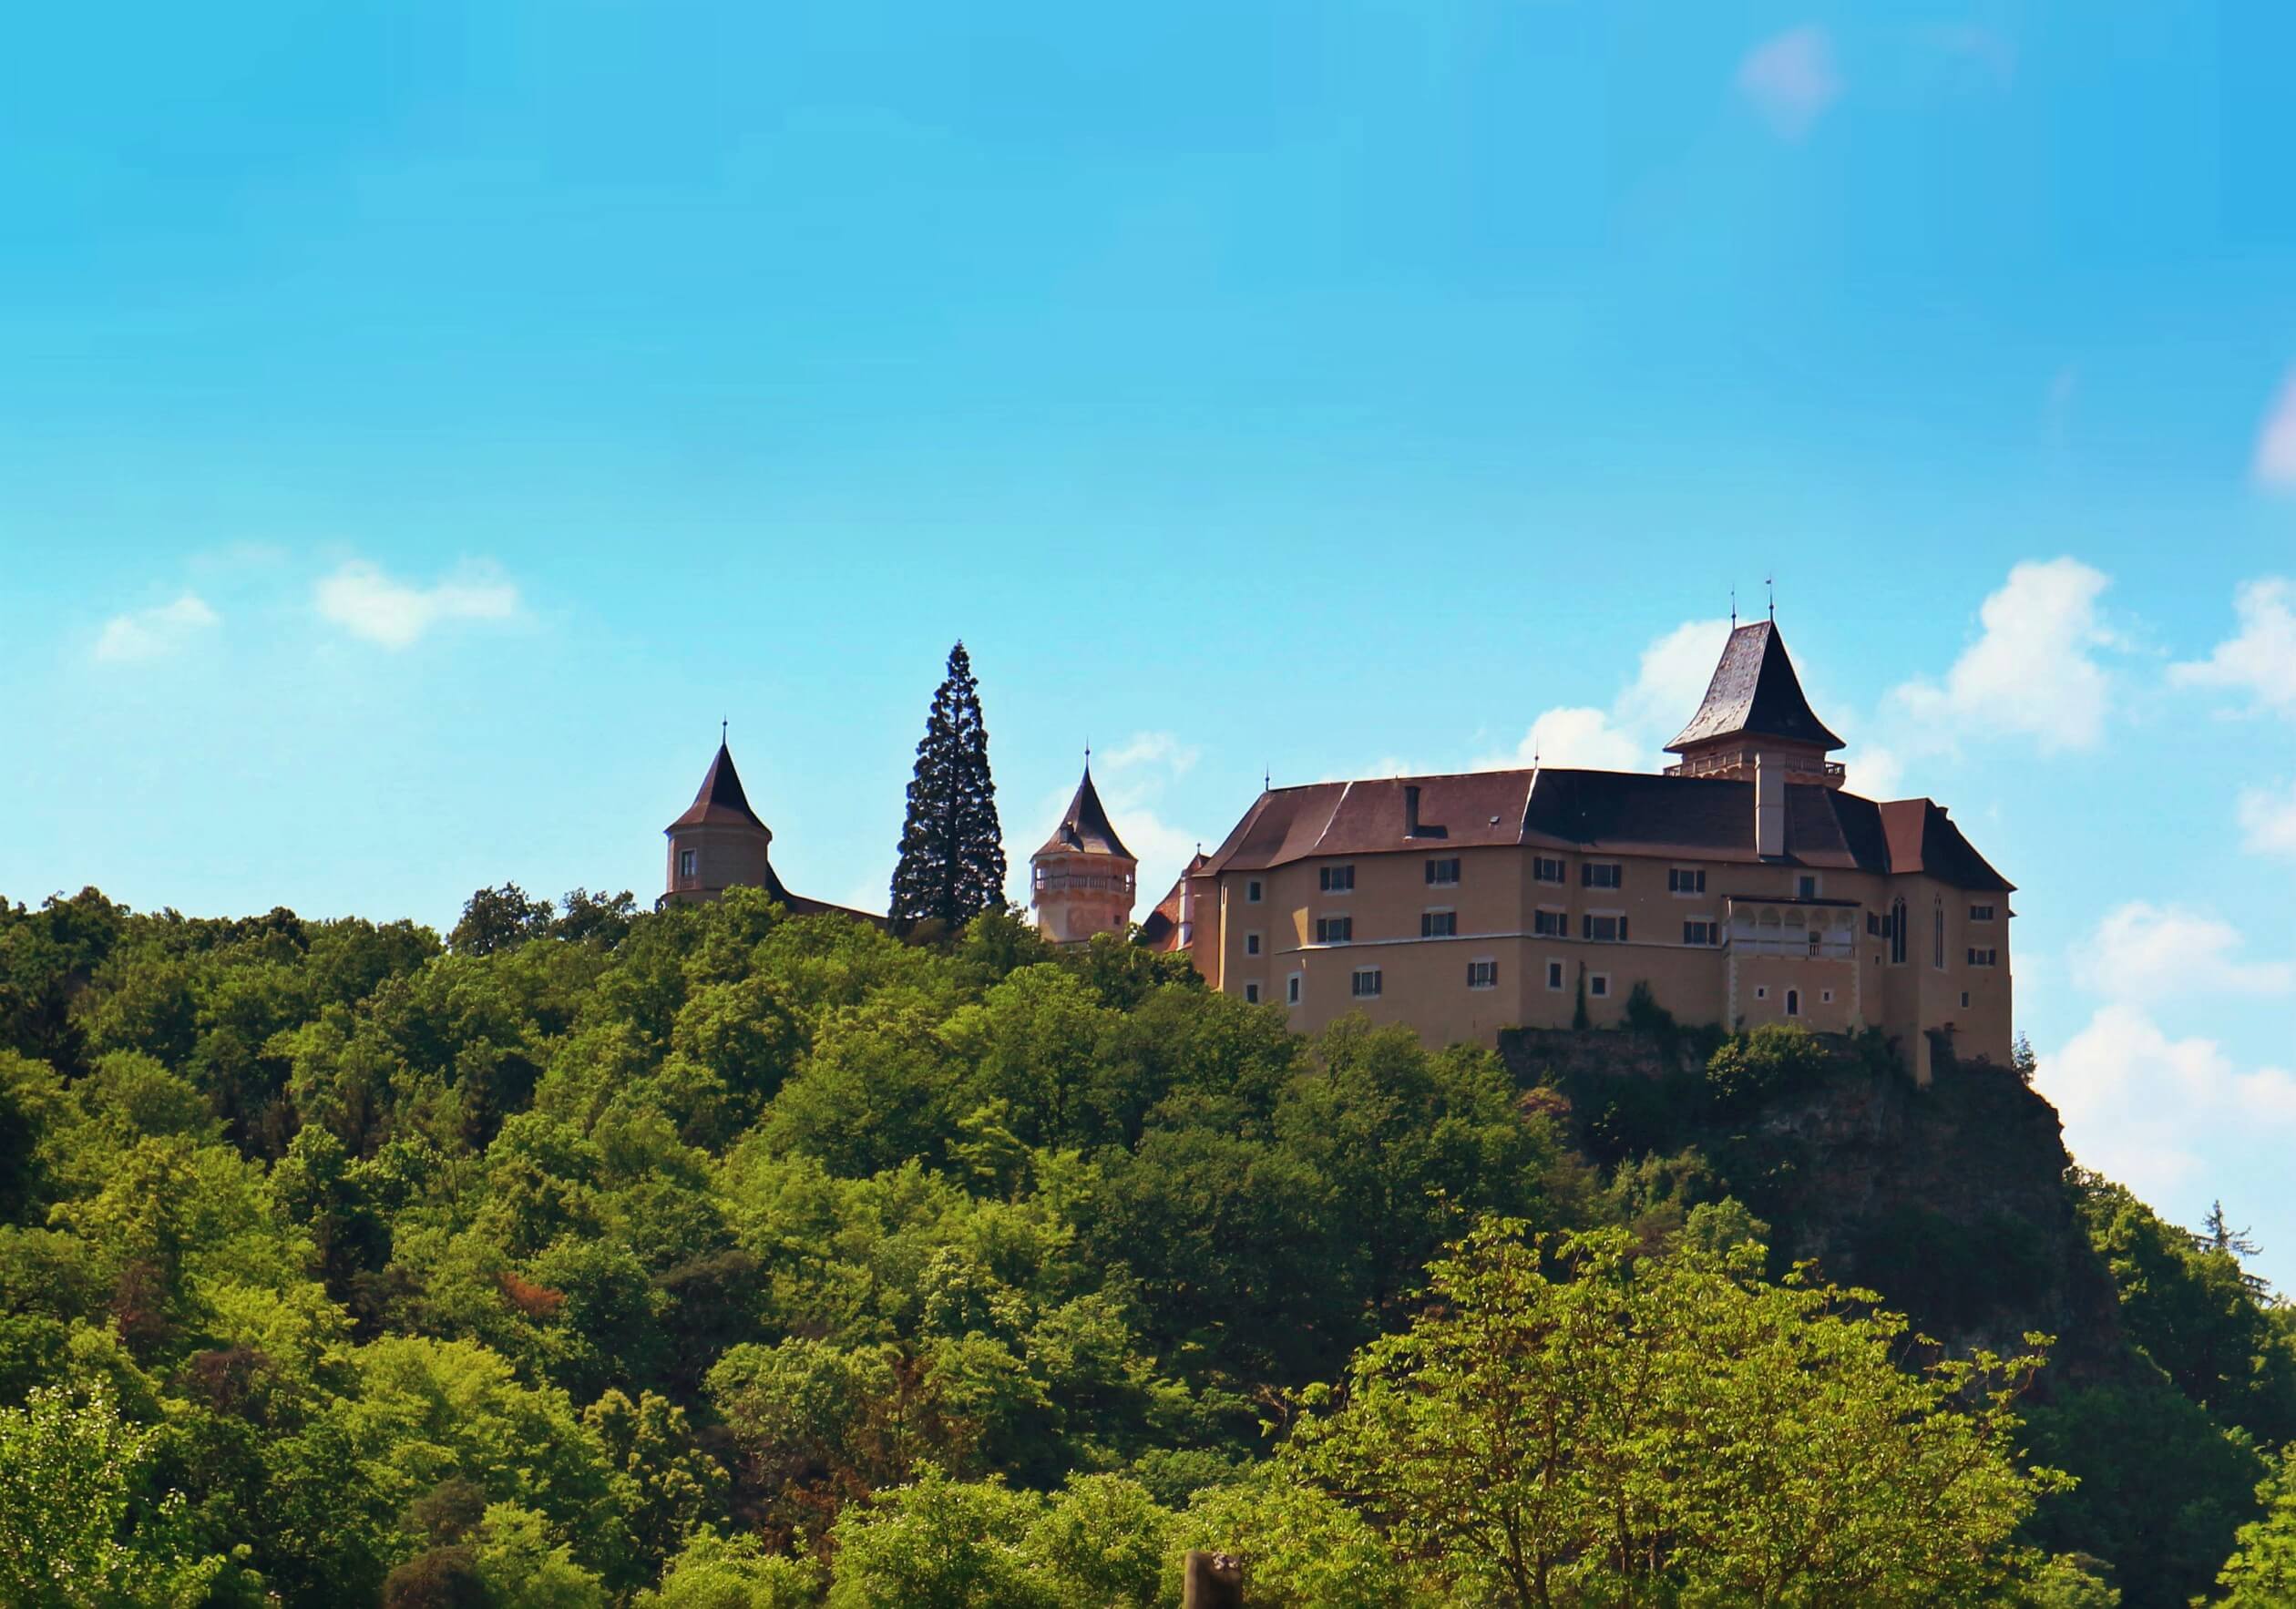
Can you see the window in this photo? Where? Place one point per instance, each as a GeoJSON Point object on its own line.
{"type": "Point", "coordinates": [1826, 998]}
{"type": "Point", "coordinates": [1937, 937]}
{"type": "Point", "coordinates": [1873, 924]}
{"type": "Point", "coordinates": [1443, 873]}
{"type": "Point", "coordinates": [1602, 874]}
{"type": "Point", "coordinates": [1806, 886]}
{"type": "Point", "coordinates": [689, 862]}
{"type": "Point", "coordinates": [1793, 1002]}
{"type": "Point", "coordinates": [1896, 932]}
{"type": "Point", "coordinates": [1604, 929]}
{"type": "Point", "coordinates": [1251, 944]}
{"type": "Point", "coordinates": [1555, 976]}
{"type": "Point", "coordinates": [1251, 994]}
{"type": "Point", "coordinates": [1335, 930]}
{"type": "Point", "coordinates": [1964, 999]}
{"type": "Point", "coordinates": [1291, 990]}
{"type": "Point", "coordinates": [1482, 975]}
{"type": "Point", "coordinates": [1598, 985]}
{"type": "Point", "coordinates": [1546, 868]}
{"type": "Point", "coordinates": [1981, 913]}
{"type": "Point", "coordinates": [1685, 879]}
{"type": "Point", "coordinates": [1982, 957]}
{"type": "Point", "coordinates": [1549, 924]}
{"type": "Point", "coordinates": [1337, 879]}
{"type": "Point", "coordinates": [1252, 891]}
{"type": "Point", "coordinates": [1701, 933]}
{"type": "Point", "coordinates": [1439, 924]}
{"type": "Point", "coordinates": [1762, 991]}
{"type": "Point", "coordinates": [1367, 983]}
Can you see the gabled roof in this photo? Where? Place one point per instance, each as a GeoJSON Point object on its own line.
{"type": "Point", "coordinates": [1709, 818]}
{"type": "Point", "coordinates": [1084, 827]}
{"type": "Point", "coordinates": [721, 802]}
{"type": "Point", "coordinates": [1755, 694]}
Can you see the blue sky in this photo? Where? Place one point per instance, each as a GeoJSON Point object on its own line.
{"type": "Point", "coordinates": [420, 424]}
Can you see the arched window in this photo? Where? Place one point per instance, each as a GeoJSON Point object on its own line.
{"type": "Point", "coordinates": [1897, 933]}
{"type": "Point", "coordinates": [1793, 1002]}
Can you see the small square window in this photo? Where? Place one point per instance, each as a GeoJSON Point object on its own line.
{"type": "Point", "coordinates": [1252, 891]}
{"type": "Point", "coordinates": [1367, 983]}
{"type": "Point", "coordinates": [1251, 944]}
{"type": "Point", "coordinates": [1443, 873]}
{"type": "Point", "coordinates": [1806, 887]}
{"type": "Point", "coordinates": [1598, 984]}
{"type": "Point", "coordinates": [1964, 999]}
{"type": "Point", "coordinates": [1827, 996]}
{"type": "Point", "coordinates": [1251, 994]}
{"type": "Point", "coordinates": [1482, 975]}
{"type": "Point", "coordinates": [1439, 924]}
{"type": "Point", "coordinates": [1554, 975]}
{"type": "Point", "coordinates": [1762, 991]}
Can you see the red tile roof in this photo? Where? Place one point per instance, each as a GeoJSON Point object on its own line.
{"type": "Point", "coordinates": [720, 801]}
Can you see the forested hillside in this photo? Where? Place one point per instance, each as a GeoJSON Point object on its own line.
{"type": "Point", "coordinates": [714, 1258]}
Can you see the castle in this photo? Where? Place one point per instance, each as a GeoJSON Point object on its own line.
{"type": "Point", "coordinates": [1743, 884]}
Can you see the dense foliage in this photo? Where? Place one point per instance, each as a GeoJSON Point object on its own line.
{"type": "Point", "coordinates": [952, 860]}
{"type": "Point", "coordinates": [708, 1258]}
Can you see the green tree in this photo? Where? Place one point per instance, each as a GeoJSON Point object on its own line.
{"type": "Point", "coordinates": [939, 1543]}
{"type": "Point", "coordinates": [1664, 1429]}
{"type": "Point", "coordinates": [2262, 1571]}
{"type": "Point", "coordinates": [715, 1571]}
{"type": "Point", "coordinates": [76, 1528]}
{"type": "Point", "coordinates": [499, 920]}
{"type": "Point", "coordinates": [952, 862]}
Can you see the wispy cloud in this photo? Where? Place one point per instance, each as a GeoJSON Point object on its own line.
{"type": "Point", "coordinates": [2260, 659]}
{"type": "Point", "coordinates": [154, 634]}
{"type": "Point", "coordinates": [1669, 680]}
{"type": "Point", "coordinates": [2142, 952]}
{"type": "Point", "coordinates": [1792, 79]}
{"type": "Point", "coordinates": [2034, 671]}
{"type": "Point", "coordinates": [2274, 465]}
{"type": "Point", "coordinates": [2268, 820]}
{"type": "Point", "coordinates": [367, 603]}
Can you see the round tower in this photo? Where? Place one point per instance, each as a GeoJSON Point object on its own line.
{"type": "Point", "coordinates": [719, 843]}
{"type": "Point", "coordinates": [1081, 880]}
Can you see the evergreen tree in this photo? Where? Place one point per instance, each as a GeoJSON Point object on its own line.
{"type": "Point", "coordinates": [952, 865]}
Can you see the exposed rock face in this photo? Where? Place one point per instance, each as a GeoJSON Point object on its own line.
{"type": "Point", "coordinates": [1950, 1201]}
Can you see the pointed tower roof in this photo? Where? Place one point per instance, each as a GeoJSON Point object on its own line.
{"type": "Point", "coordinates": [1084, 827]}
{"type": "Point", "coordinates": [1755, 694]}
{"type": "Point", "coordinates": [721, 802]}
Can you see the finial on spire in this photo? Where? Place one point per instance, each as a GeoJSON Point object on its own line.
{"type": "Point", "coordinates": [722, 724]}
{"type": "Point", "coordinates": [1267, 779]}
{"type": "Point", "coordinates": [1769, 585]}
{"type": "Point", "coordinates": [1733, 606]}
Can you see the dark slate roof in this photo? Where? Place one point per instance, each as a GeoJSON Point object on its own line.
{"type": "Point", "coordinates": [1755, 694]}
{"type": "Point", "coordinates": [1084, 827]}
{"type": "Point", "coordinates": [1695, 817]}
{"type": "Point", "coordinates": [721, 802]}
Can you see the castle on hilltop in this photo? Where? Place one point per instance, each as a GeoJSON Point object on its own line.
{"type": "Point", "coordinates": [1742, 884]}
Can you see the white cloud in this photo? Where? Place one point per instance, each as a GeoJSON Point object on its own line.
{"type": "Point", "coordinates": [1790, 80]}
{"type": "Point", "coordinates": [2262, 659]}
{"type": "Point", "coordinates": [2275, 462]}
{"type": "Point", "coordinates": [153, 633]}
{"type": "Point", "coordinates": [2142, 951]}
{"type": "Point", "coordinates": [2033, 671]}
{"type": "Point", "coordinates": [1874, 771]}
{"type": "Point", "coordinates": [1151, 748]}
{"type": "Point", "coordinates": [2268, 820]}
{"type": "Point", "coordinates": [1669, 680]}
{"type": "Point", "coordinates": [2136, 1105]}
{"type": "Point", "coordinates": [365, 602]}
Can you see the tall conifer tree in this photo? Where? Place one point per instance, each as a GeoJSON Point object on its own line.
{"type": "Point", "coordinates": [952, 865]}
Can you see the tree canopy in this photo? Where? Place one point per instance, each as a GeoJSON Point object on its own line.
{"type": "Point", "coordinates": [952, 860]}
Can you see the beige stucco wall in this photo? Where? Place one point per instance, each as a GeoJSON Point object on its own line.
{"type": "Point", "coordinates": [725, 858]}
{"type": "Point", "coordinates": [1070, 912]}
{"type": "Point", "coordinates": [1423, 981]}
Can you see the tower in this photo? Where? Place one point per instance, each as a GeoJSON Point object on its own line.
{"type": "Point", "coordinates": [1081, 880]}
{"type": "Point", "coordinates": [1755, 718]}
{"type": "Point", "coordinates": [719, 843]}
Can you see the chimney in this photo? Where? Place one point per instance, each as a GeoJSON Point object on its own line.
{"type": "Point", "coordinates": [1410, 810]}
{"type": "Point", "coordinates": [1770, 807]}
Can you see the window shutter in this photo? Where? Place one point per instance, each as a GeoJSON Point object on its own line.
{"type": "Point", "coordinates": [1622, 929]}
{"type": "Point", "coordinates": [1586, 927]}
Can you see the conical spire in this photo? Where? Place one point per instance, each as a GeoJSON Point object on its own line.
{"type": "Point", "coordinates": [1755, 694]}
{"type": "Point", "coordinates": [1084, 827]}
{"type": "Point", "coordinates": [720, 801]}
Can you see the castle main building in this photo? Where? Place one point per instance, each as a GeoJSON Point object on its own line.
{"type": "Point", "coordinates": [1742, 886]}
